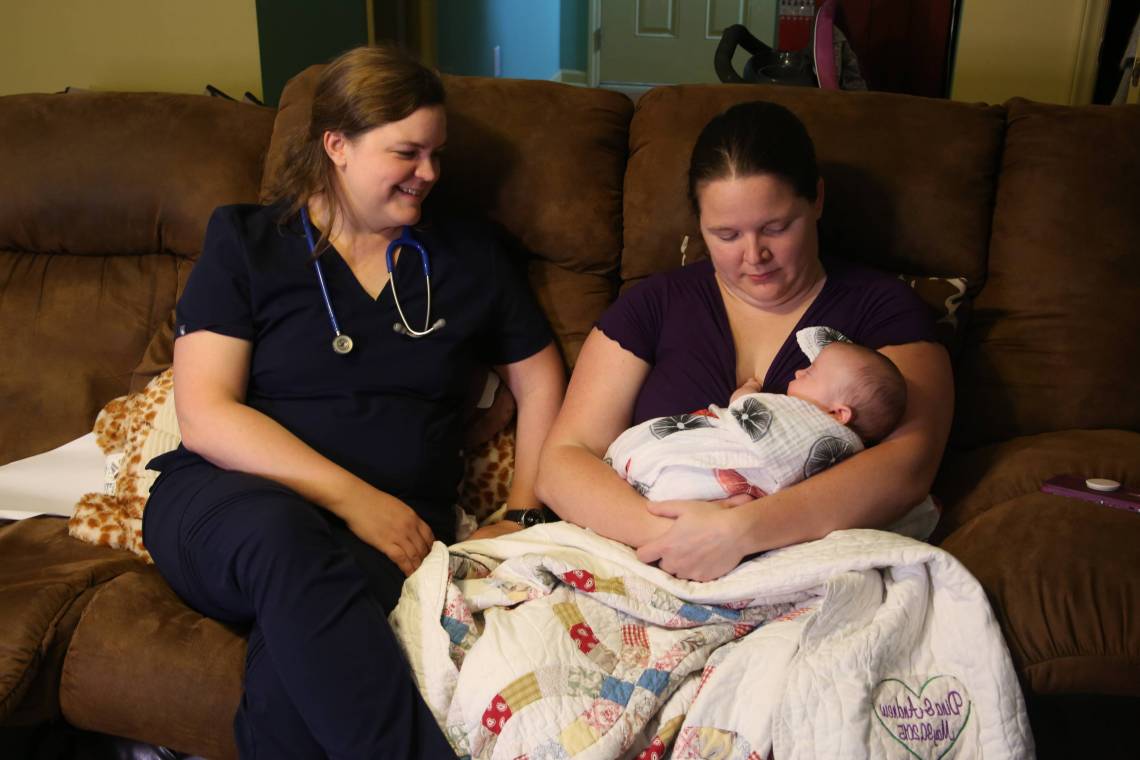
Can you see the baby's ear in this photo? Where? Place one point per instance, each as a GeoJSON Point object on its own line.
{"type": "Point", "coordinates": [841, 412]}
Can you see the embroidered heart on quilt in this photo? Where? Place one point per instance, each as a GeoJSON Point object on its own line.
{"type": "Point", "coordinates": [928, 721]}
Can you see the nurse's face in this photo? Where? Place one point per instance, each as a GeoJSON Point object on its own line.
{"type": "Point", "coordinates": [761, 237]}
{"type": "Point", "coordinates": [386, 172]}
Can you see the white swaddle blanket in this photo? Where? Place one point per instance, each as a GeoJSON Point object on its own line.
{"type": "Point", "coordinates": [761, 443]}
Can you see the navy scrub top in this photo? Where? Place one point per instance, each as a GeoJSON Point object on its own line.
{"type": "Point", "coordinates": [390, 411]}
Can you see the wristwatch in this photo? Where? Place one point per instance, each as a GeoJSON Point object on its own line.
{"type": "Point", "coordinates": [533, 516]}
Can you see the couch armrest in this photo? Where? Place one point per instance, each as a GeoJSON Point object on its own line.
{"type": "Point", "coordinates": [1062, 576]}
{"type": "Point", "coordinates": [145, 666]}
{"type": "Point", "coordinates": [46, 580]}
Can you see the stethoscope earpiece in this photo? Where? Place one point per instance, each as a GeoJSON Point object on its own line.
{"type": "Point", "coordinates": [342, 344]}
{"type": "Point", "coordinates": [406, 239]}
{"type": "Point", "coordinates": [403, 329]}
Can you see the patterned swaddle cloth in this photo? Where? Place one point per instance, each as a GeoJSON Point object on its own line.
{"type": "Point", "coordinates": [760, 443]}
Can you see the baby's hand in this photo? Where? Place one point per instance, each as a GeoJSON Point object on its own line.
{"type": "Point", "coordinates": [751, 385]}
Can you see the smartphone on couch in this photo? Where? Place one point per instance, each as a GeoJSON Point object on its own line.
{"type": "Point", "coordinates": [1076, 487]}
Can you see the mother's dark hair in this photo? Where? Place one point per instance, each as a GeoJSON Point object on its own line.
{"type": "Point", "coordinates": [751, 139]}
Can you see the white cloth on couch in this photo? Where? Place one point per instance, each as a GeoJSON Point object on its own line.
{"type": "Point", "coordinates": [51, 483]}
{"type": "Point", "coordinates": [555, 642]}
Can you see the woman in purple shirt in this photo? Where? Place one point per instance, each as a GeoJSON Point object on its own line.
{"type": "Point", "coordinates": [684, 339]}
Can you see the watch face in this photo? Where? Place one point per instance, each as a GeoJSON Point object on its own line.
{"type": "Point", "coordinates": [532, 517]}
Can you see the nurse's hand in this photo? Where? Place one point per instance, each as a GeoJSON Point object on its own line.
{"type": "Point", "coordinates": [391, 526]}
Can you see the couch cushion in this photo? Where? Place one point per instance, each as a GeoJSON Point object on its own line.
{"type": "Point", "coordinates": [544, 160]}
{"type": "Point", "coordinates": [1062, 574]}
{"type": "Point", "coordinates": [145, 666]}
{"type": "Point", "coordinates": [970, 482]}
{"type": "Point", "coordinates": [159, 353]}
{"type": "Point", "coordinates": [909, 181]}
{"type": "Point", "coordinates": [123, 173]}
{"type": "Point", "coordinates": [1062, 577]}
{"type": "Point", "coordinates": [1053, 344]}
{"type": "Point", "coordinates": [44, 578]}
{"type": "Point", "coordinates": [104, 201]}
{"type": "Point", "coordinates": [73, 329]}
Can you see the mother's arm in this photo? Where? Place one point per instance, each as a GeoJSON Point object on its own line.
{"type": "Point", "coordinates": [871, 489]}
{"type": "Point", "coordinates": [572, 478]}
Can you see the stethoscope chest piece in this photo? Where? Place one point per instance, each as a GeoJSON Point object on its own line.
{"type": "Point", "coordinates": [342, 344]}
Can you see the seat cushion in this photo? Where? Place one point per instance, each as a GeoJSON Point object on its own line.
{"type": "Point", "coordinates": [145, 666]}
{"type": "Point", "coordinates": [45, 580]}
{"type": "Point", "coordinates": [971, 482]}
{"type": "Point", "coordinates": [1063, 575]}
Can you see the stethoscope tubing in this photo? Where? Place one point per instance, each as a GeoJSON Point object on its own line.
{"type": "Point", "coordinates": [406, 239]}
{"type": "Point", "coordinates": [342, 343]}
{"type": "Point", "coordinates": [320, 274]}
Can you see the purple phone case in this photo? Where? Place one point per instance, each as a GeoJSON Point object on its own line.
{"type": "Point", "coordinates": [1074, 487]}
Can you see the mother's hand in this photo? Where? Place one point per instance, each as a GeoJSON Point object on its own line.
{"type": "Point", "coordinates": [704, 541]}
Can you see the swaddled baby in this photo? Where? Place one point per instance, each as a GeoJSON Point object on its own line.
{"type": "Point", "coordinates": [849, 397]}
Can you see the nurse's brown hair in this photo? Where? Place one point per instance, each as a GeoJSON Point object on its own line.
{"type": "Point", "coordinates": [359, 90]}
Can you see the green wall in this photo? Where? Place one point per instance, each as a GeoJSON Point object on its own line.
{"type": "Point", "coordinates": [294, 34]}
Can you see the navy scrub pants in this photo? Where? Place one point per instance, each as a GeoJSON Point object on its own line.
{"type": "Point", "coordinates": [324, 675]}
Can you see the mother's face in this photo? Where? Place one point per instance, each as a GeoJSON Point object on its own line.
{"type": "Point", "coordinates": [761, 237]}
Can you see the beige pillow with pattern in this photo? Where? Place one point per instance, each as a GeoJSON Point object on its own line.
{"type": "Point", "coordinates": [131, 430]}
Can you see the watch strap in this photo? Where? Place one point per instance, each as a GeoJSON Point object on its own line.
{"type": "Point", "coordinates": [533, 516]}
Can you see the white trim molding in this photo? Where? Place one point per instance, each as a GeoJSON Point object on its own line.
{"type": "Point", "coordinates": [570, 76]}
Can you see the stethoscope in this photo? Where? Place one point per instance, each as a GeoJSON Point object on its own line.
{"type": "Point", "coordinates": [342, 343]}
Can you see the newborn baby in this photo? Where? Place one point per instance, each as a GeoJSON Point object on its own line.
{"type": "Point", "coordinates": [850, 396]}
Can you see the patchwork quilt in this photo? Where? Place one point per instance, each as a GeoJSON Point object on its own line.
{"type": "Point", "coordinates": [557, 643]}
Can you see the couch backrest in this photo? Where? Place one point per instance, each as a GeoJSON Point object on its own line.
{"type": "Point", "coordinates": [1037, 206]}
{"type": "Point", "coordinates": [1054, 342]}
{"type": "Point", "coordinates": [106, 197]}
{"type": "Point", "coordinates": [103, 206]}
{"type": "Point", "coordinates": [909, 182]}
{"type": "Point", "coordinates": [544, 160]}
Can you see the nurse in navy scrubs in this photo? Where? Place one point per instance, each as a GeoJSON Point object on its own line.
{"type": "Point", "coordinates": [313, 478]}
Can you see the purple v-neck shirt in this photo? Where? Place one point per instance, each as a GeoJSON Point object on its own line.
{"type": "Point", "coordinates": [676, 321]}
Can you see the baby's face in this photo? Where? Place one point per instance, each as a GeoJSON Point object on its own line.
{"type": "Point", "coordinates": [823, 381]}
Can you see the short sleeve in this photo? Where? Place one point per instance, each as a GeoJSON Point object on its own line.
{"type": "Point", "coordinates": [636, 318]}
{"type": "Point", "coordinates": [217, 293]}
{"type": "Point", "coordinates": [518, 326]}
{"type": "Point", "coordinates": [894, 315]}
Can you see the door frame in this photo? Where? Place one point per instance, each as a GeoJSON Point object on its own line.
{"type": "Point", "coordinates": [593, 39]}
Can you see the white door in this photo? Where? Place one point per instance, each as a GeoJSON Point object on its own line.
{"type": "Point", "coordinates": [646, 42]}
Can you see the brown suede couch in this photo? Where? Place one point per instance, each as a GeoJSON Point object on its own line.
{"type": "Point", "coordinates": [103, 204]}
